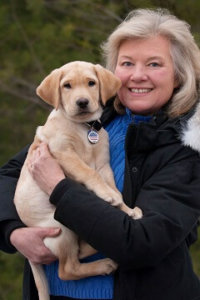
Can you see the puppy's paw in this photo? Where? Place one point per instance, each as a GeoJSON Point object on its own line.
{"type": "Point", "coordinates": [111, 196]}
{"type": "Point", "coordinates": [115, 200]}
{"type": "Point", "coordinates": [136, 213]}
{"type": "Point", "coordinates": [109, 266]}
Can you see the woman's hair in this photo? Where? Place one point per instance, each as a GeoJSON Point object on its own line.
{"type": "Point", "coordinates": [145, 23]}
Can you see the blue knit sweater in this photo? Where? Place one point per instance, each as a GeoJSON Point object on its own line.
{"type": "Point", "coordinates": [98, 287]}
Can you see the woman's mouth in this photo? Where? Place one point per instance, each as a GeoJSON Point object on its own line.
{"type": "Point", "coordinates": [140, 91]}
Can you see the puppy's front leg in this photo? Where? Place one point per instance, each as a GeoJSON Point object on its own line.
{"type": "Point", "coordinates": [107, 174]}
{"type": "Point", "coordinates": [78, 170]}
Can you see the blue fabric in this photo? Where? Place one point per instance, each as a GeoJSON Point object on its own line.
{"type": "Point", "coordinates": [98, 287]}
{"type": "Point", "coordinates": [117, 132]}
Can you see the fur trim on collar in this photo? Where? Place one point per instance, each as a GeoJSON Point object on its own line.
{"type": "Point", "coordinates": [191, 133]}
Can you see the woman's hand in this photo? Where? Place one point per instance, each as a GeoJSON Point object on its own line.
{"type": "Point", "coordinates": [45, 169]}
{"type": "Point", "coordinates": [29, 242]}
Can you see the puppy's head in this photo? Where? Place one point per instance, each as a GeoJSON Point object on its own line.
{"type": "Point", "coordinates": [78, 88]}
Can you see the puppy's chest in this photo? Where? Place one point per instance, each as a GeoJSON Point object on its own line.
{"type": "Point", "coordinates": [75, 139]}
{"type": "Point", "coordinates": [90, 152]}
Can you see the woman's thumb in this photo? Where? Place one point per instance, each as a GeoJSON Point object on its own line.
{"type": "Point", "coordinates": [50, 231]}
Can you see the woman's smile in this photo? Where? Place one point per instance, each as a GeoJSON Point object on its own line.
{"type": "Point", "coordinates": [140, 90]}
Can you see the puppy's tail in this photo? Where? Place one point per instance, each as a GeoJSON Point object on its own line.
{"type": "Point", "coordinates": [40, 281]}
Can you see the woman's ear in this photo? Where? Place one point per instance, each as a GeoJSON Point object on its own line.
{"type": "Point", "coordinates": [109, 83]}
{"type": "Point", "coordinates": [49, 89]}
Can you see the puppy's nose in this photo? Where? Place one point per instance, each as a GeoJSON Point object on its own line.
{"type": "Point", "coordinates": [82, 102]}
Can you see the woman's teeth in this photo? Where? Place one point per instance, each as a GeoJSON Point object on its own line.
{"type": "Point", "coordinates": [140, 90]}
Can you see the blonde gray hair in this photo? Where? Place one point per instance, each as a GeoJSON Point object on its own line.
{"type": "Point", "coordinates": [145, 23]}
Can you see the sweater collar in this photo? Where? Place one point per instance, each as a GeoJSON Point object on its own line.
{"type": "Point", "coordinates": [137, 118]}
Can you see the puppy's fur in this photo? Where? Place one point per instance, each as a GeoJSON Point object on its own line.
{"type": "Point", "coordinates": [75, 91]}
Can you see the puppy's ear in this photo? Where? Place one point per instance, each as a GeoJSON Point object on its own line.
{"type": "Point", "coordinates": [49, 88]}
{"type": "Point", "coordinates": [109, 83]}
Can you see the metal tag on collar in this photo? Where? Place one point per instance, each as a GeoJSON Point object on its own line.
{"type": "Point", "coordinates": [93, 136]}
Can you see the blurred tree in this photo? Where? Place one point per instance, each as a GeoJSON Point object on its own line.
{"type": "Point", "coordinates": [37, 36]}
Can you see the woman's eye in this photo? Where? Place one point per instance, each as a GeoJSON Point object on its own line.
{"type": "Point", "coordinates": [126, 63]}
{"type": "Point", "coordinates": [67, 85]}
{"type": "Point", "coordinates": [154, 64]}
{"type": "Point", "coordinates": [91, 83]}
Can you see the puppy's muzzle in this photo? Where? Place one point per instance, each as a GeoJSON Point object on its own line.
{"type": "Point", "coordinates": [82, 103]}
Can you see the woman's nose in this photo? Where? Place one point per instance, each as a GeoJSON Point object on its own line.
{"type": "Point", "coordinates": [138, 73]}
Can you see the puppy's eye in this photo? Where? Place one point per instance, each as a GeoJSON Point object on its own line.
{"type": "Point", "coordinates": [91, 83]}
{"type": "Point", "coordinates": [67, 85]}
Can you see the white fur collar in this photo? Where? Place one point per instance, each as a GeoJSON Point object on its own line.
{"type": "Point", "coordinates": [191, 134]}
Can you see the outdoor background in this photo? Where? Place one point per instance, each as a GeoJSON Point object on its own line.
{"type": "Point", "coordinates": [37, 36]}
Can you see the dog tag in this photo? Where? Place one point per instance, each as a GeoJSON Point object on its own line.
{"type": "Point", "coordinates": [93, 136]}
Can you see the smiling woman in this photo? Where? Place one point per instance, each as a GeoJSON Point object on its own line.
{"type": "Point", "coordinates": [146, 70]}
{"type": "Point", "coordinates": [147, 24]}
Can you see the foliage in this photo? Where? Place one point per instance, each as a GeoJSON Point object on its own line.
{"type": "Point", "coordinates": [11, 268]}
{"type": "Point", "coordinates": [195, 253]}
{"type": "Point", "coordinates": [37, 36]}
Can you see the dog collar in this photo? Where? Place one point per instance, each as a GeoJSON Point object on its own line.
{"type": "Point", "coordinates": [92, 135]}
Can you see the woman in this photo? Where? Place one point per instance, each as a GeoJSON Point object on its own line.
{"type": "Point", "coordinates": [158, 62]}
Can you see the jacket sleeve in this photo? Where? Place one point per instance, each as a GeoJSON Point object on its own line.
{"type": "Point", "coordinates": [9, 220]}
{"type": "Point", "coordinates": [171, 206]}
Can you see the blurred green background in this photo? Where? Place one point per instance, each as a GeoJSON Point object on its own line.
{"type": "Point", "coordinates": [37, 36]}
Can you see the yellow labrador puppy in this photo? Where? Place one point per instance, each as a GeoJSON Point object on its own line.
{"type": "Point", "coordinates": [75, 138]}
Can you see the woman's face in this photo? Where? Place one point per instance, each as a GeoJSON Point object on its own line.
{"type": "Point", "coordinates": [146, 70]}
